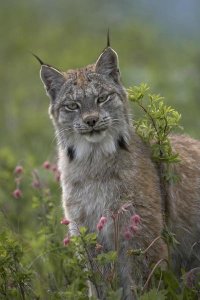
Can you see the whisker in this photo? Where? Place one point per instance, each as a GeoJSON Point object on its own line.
{"type": "Point", "coordinates": [58, 132]}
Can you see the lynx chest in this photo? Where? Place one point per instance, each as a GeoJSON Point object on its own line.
{"type": "Point", "coordinates": [87, 200]}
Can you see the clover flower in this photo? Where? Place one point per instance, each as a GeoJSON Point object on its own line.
{"type": "Point", "coordinates": [47, 165]}
{"type": "Point", "coordinates": [64, 221]}
{"type": "Point", "coordinates": [100, 225]}
{"type": "Point", "coordinates": [17, 193]}
{"type": "Point", "coordinates": [19, 170]}
{"type": "Point", "coordinates": [66, 241]}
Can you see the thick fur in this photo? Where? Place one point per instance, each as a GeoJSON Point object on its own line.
{"type": "Point", "coordinates": [104, 168]}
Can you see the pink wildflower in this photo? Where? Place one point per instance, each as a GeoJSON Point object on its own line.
{"type": "Point", "coordinates": [57, 176]}
{"type": "Point", "coordinates": [17, 193]}
{"type": "Point", "coordinates": [18, 170]}
{"type": "Point", "coordinates": [128, 234]}
{"type": "Point", "coordinates": [133, 228]}
{"type": "Point", "coordinates": [46, 165]}
{"type": "Point", "coordinates": [66, 241]}
{"type": "Point", "coordinates": [102, 222]}
{"type": "Point", "coordinates": [36, 184]}
{"type": "Point", "coordinates": [135, 219]}
{"type": "Point", "coordinates": [54, 168]}
{"type": "Point", "coordinates": [99, 226]}
{"type": "Point", "coordinates": [64, 221]}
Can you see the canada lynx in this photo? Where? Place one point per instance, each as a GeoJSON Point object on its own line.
{"type": "Point", "coordinates": [104, 164]}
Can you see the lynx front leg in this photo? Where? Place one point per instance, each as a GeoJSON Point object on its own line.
{"type": "Point", "coordinates": [127, 284]}
{"type": "Point", "coordinates": [134, 270]}
{"type": "Point", "coordinates": [129, 276]}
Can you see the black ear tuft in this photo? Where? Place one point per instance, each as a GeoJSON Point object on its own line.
{"type": "Point", "coordinates": [108, 38]}
{"type": "Point", "coordinates": [52, 79]}
{"type": "Point", "coordinates": [38, 59]}
{"type": "Point", "coordinates": [107, 64]}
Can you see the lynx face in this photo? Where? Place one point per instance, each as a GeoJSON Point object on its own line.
{"type": "Point", "coordinates": [88, 106]}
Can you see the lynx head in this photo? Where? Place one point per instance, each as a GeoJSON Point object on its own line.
{"type": "Point", "coordinates": [88, 107]}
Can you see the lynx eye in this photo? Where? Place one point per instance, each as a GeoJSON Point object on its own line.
{"type": "Point", "coordinates": [71, 106]}
{"type": "Point", "coordinates": [103, 99]}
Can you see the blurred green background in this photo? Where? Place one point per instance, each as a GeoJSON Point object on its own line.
{"type": "Point", "coordinates": [157, 43]}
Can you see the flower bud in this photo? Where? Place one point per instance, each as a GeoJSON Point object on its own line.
{"type": "Point", "coordinates": [64, 221]}
{"type": "Point", "coordinates": [133, 228]}
{"type": "Point", "coordinates": [66, 241]}
{"type": "Point", "coordinates": [128, 235]}
{"type": "Point", "coordinates": [17, 193]}
{"type": "Point", "coordinates": [54, 168]}
{"type": "Point", "coordinates": [46, 165]}
{"type": "Point", "coordinates": [36, 184]}
{"type": "Point", "coordinates": [18, 170]}
{"type": "Point", "coordinates": [103, 220]}
{"type": "Point", "coordinates": [135, 219]}
{"type": "Point", "coordinates": [99, 226]}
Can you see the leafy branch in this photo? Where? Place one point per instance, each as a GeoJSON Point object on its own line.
{"type": "Point", "coordinates": [158, 121]}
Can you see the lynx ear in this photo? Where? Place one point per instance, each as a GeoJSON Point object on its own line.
{"type": "Point", "coordinates": [107, 63]}
{"type": "Point", "coordinates": [52, 79]}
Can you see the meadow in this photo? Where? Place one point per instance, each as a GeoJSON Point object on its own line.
{"type": "Point", "coordinates": [34, 262]}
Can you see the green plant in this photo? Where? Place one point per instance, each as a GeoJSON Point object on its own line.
{"type": "Point", "coordinates": [15, 278]}
{"type": "Point", "coordinates": [158, 121]}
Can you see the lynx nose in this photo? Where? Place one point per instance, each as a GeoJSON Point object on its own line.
{"type": "Point", "coordinates": [91, 120]}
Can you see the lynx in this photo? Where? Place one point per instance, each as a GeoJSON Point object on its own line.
{"type": "Point", "coordinates": [104, 164]}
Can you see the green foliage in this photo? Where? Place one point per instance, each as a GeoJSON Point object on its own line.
{"type": "Point", "coordinates": [15, 279]}
{"type": "Point", "coordinates": [154, 295]}
{"type": "Point", "coordinates": [158, 121]}
{"type": "Point", "coordinates": [117, 295]}
{"type": "Point", "coordinates": [155, 126]}
{"type": "Point", "coordinates": [166, 286]}
{"type": "Point", "coordinates": [108, 257]}
{"type": "Point", "coordinates": [169, 237]}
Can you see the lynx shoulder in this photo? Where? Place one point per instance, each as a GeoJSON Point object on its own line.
{"type": "Point", "coordinates": [104, 164]}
